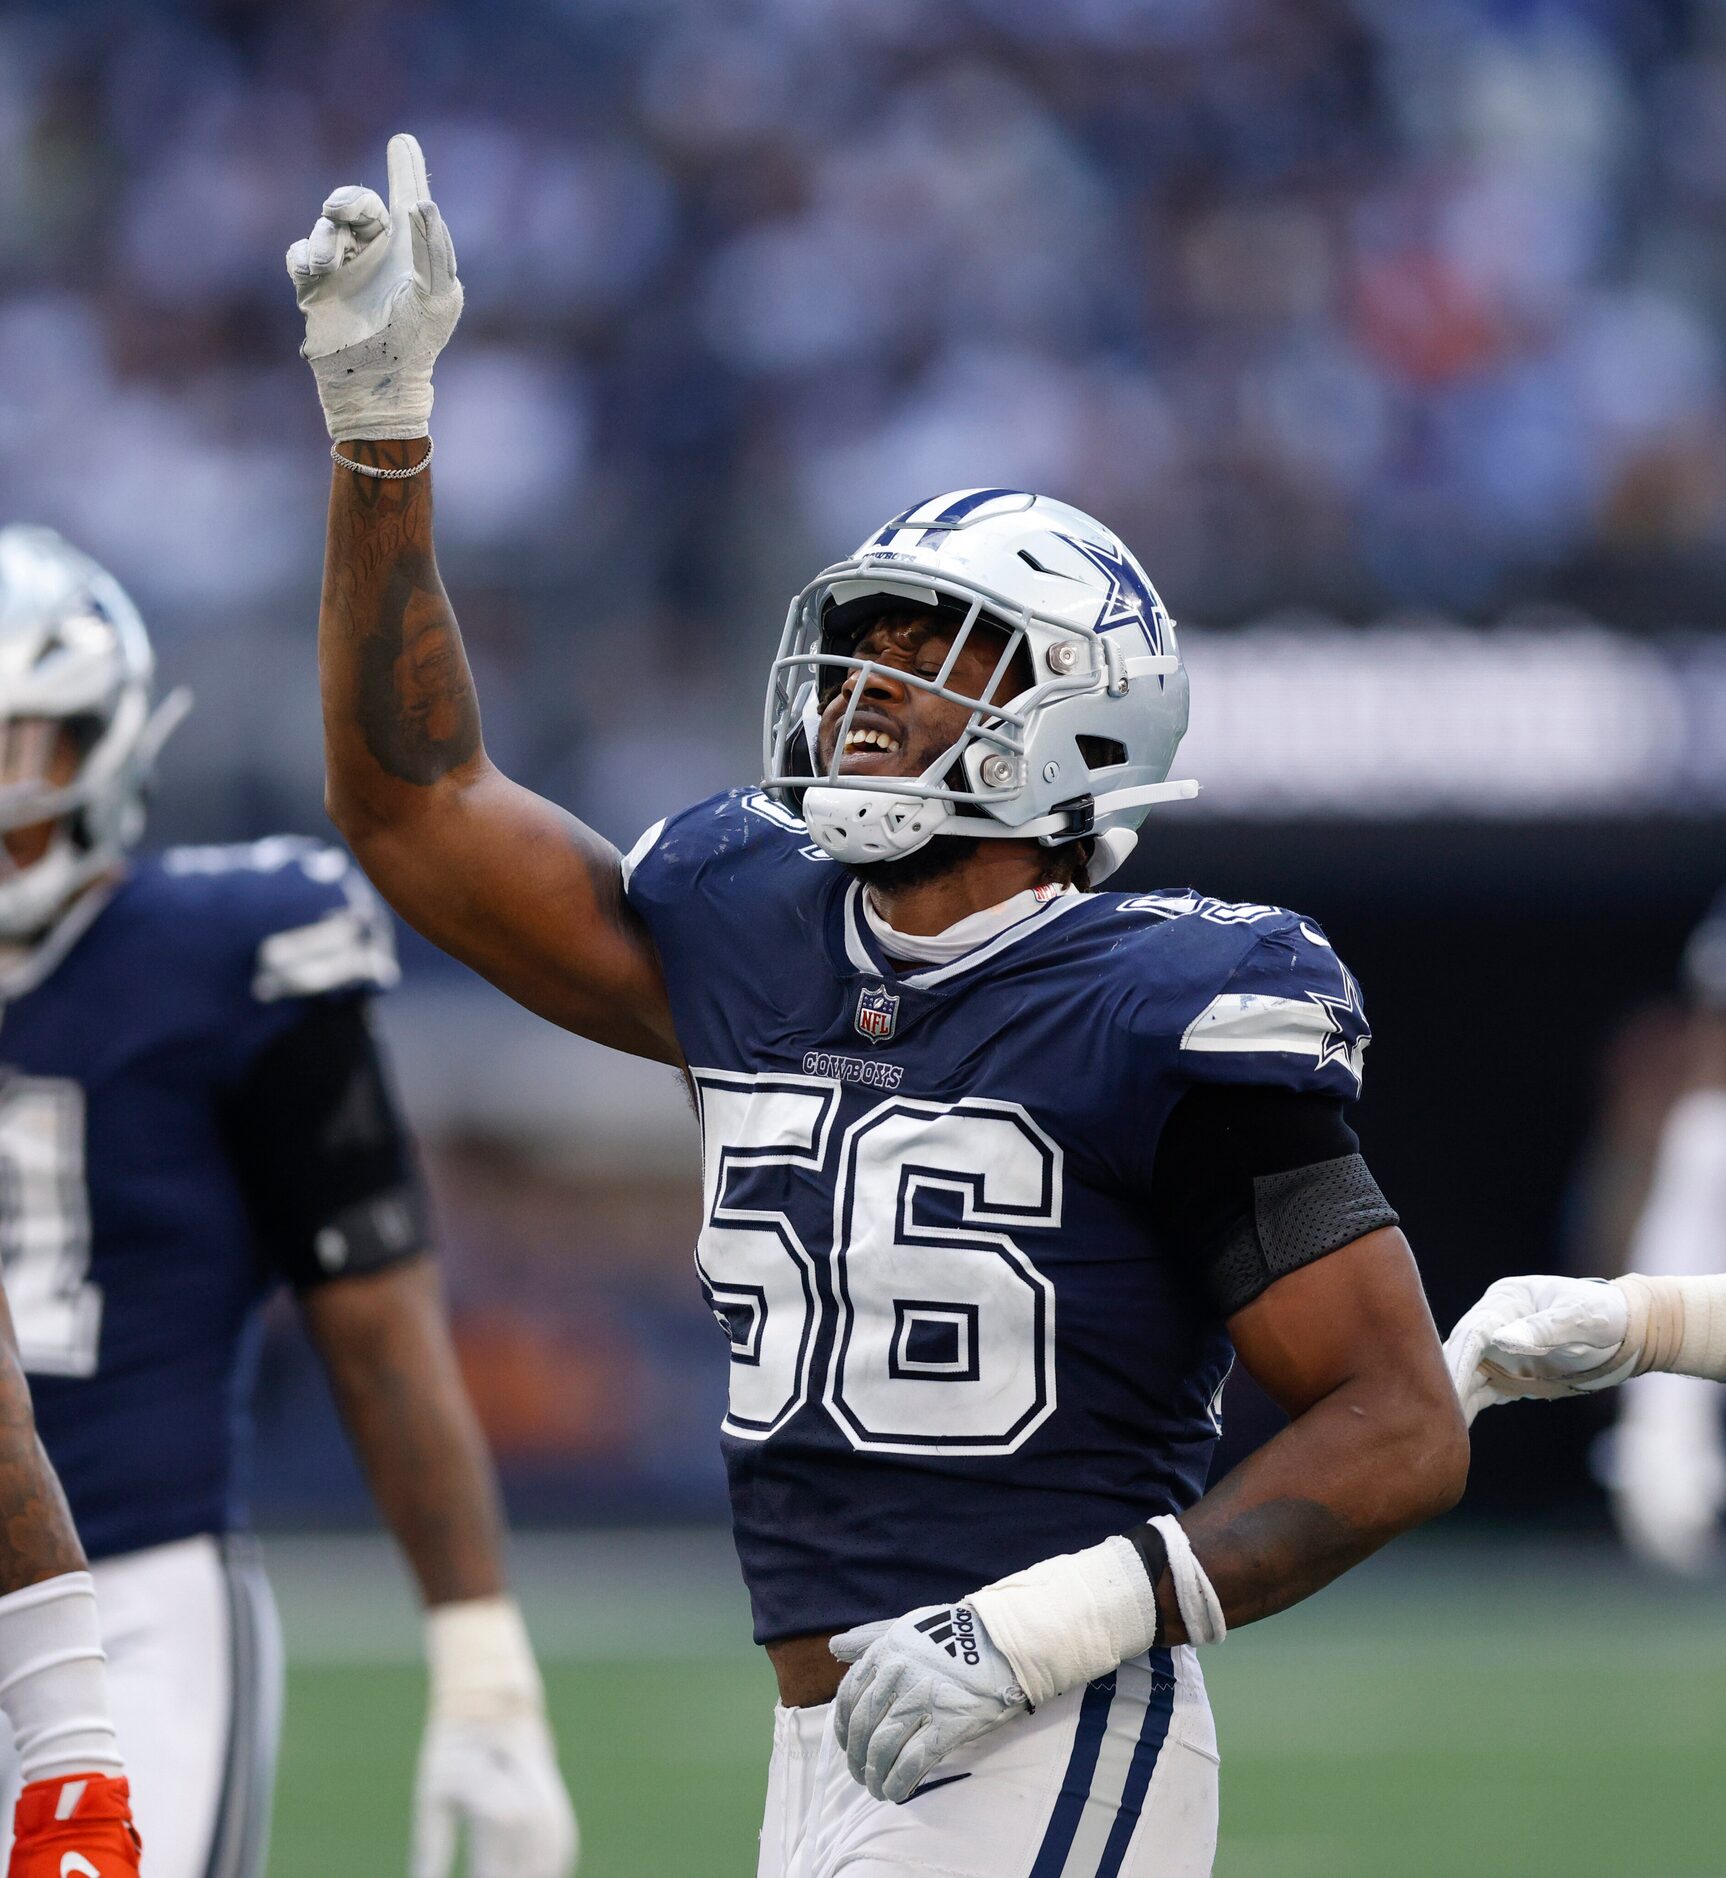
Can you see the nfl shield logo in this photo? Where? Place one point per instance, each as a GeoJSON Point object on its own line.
{"type": "Point", "coordinates": [877, 1013]}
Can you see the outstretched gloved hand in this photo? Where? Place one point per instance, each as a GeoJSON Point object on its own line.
{"type": "Point", "coordinates": [1539, 1335]}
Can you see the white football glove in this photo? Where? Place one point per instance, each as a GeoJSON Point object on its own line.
{"type": "Point", "coordinates": [1539, 1336]}
{"type": "Point", "coordinates": [1667, 1471]}
{"type": "Point", "coordinates": [919, 1686]}
{"type": "Point", "coordinates": [379, 291]}
{"type": "Point", "coordinates": [499, 1780]}
{"type": "Point", "coordinates": [488, 1763]}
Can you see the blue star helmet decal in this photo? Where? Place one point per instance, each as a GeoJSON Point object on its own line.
{"type": "Point", "coordinates": [1346, 1041]}
{"type": "Point", "coordinates": [1130, 600]}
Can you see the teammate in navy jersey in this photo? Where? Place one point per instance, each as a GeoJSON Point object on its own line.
{"type": "Point", "coordinates": [998, 1169]}
{"type": "Point", "coordinates": [193, 1113]}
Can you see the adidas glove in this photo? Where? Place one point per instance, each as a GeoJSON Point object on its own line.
{"type": "Point", "coordinates": [378, 287]}
{"type": "Point", "coordinates": [918, 1687]}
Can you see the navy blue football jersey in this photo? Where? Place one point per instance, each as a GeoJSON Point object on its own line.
{"type": "Point", "coordinates": [130, 1264]}
{"type": "Point", "coordinates": [956, 1344]}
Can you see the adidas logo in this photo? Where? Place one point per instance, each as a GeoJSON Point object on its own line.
{"type": "Point", "coordinates": [956, 1632]}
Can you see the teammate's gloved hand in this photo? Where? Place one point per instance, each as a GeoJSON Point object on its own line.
{"type": "Point", "coordinates": [498, 1780]}
{"type": "Point", "coordinates": [77, 1826]}
{"type": "Point", "coordinates": [1539, 1336]}
{"type": "Point", "coordinates": [919, 1686]}
{"type": "Point", "coordinates": [1667, 1471]}
{"type": "Point", "coordinates": [379, 291]}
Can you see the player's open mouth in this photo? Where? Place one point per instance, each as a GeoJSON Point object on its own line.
{"type": "Point", "coordinates": [857, 741]}
{"type": "Point", "coordinates": [876, 748]}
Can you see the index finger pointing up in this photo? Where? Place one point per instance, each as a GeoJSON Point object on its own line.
{"type": "Point", "coordinates": [407, 167]}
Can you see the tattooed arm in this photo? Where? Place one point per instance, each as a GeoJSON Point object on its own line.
{"type": "Point", "coordinates": [494, 874]}
{"type": "Point", "coordinates": [1376, 1443]}
{"type": "Point", "coordinates": [37, 1538]}
{"type": "Point", "coordinates": [384, 1340]}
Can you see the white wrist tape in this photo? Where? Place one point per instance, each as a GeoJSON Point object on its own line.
{"type": "Point", "coordinates": [1201, 1609]}
{"type": "Point", "coordinates": [480, 1662]}
{"type": "Point", "coordinates": [1070, 1618]}
{"type": "Point", "coordinates": [54, 1679]}
{"type": "Point", "coordinates": [1676, 1324]}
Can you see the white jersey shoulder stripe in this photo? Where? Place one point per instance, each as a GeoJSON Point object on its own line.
{"type": "Point", "coordinates": [352, 946]}
{"type": "Point", "coordinates": [648, 841]}
{"type": "Point", "coordinates": [1248, 1022]}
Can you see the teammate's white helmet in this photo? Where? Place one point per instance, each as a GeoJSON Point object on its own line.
{"type": "Point", "coordinates": [73, 652]}
{"type": "Point", "coordinates": [1083, 751]}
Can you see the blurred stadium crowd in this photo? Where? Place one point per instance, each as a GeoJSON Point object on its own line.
{"type": "Point", "coordinates": [1345, 302]}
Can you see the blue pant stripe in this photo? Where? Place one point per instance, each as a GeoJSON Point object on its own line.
{"type": "Point", "coordinates": [1154, 1730]}
{"type": "Point", "coordinates": [1076, 1782]}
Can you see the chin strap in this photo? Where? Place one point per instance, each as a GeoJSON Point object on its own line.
{"type": "Point", "coordinates": [1143, 796]}
{"type": "Point", "coordinates": [863, 825]}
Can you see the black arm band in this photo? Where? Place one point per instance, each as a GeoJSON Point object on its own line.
{"type": "Point", "coordinates": [1253, 1183]}
{"type": "Point", "coordinates": [1148, 1543]}
{"type": "Point", "coordinates": [321, 1152]}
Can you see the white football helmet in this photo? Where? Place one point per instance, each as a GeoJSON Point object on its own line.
{"type": "Point", "coordinates": [73, 653]}
{"type": "Point", "coordinates": [1081, 753]}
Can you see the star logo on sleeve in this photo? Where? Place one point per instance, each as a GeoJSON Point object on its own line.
{"type": "Point", "coordinates": [1130, 601]}
{"type": "Point", "coordinates": [1346, 1040]}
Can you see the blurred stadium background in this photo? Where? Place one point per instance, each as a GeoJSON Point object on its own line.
{"type": "Point", "coordinates": [1391, 336]}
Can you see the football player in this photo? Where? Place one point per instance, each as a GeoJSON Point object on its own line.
{"type": "Point", "coordinates": [997, 1168]}
{"type": "Point", "coordinates": [192, 1112]}
{"type": "Point", "coordinates": [1664, 1324]}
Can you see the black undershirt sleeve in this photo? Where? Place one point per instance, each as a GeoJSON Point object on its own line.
{"type": "Point", "coordinates": [322, 1156]}
{"type": "Point", "coordinates": [1251, 1183]}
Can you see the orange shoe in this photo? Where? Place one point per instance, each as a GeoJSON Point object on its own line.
{"type": "Point", "coordinates": [79, 1826]}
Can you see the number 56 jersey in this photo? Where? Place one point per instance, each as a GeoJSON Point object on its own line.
{"type": "Point", "coordinates": [958, 1341]}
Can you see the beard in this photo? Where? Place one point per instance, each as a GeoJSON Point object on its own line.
{"type": "Point", "coordinates": [939, 856]}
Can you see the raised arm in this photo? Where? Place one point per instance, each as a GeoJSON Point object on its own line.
{"type": "Point", "coordinates": [502, 879]}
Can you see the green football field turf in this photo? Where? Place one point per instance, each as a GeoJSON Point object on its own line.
{"type": "Point", "coordinates": [1462, 1712]}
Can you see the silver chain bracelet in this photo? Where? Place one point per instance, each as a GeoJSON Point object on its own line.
{"type": "Point", "coordinates": [384, 475]}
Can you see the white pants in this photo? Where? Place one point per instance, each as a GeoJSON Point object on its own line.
{"type": "Point", "coordinates": [195, 1678]}
{"type": "Point", "coordinates": [1115, 1780]}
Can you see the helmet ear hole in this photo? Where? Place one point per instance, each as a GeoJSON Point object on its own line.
{"type": "Point", "coordinates": [85, 731]}
{"type": "Point", "coordinates": [1101, 752]}
{"type": "Point", "coordinates": [797, 754]}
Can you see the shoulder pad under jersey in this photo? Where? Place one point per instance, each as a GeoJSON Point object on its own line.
{"type": "Point", "coordinates": [1267, 998]}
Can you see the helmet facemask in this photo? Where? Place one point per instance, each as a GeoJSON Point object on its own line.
{"type": "Point", "coordinates": [78, 733]}
{"type": "Point", "coordinates": [883, 816]}
{"type": "Point", "coordinates": [1080, 749]}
